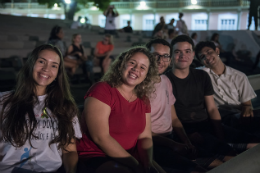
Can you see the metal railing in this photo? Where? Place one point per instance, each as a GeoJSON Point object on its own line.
{"type": "Point", "coordinates": [24, 5]}
{"type": "Point", "coordinates": [180, 3]}
{"type": "Point", "coordinates": [153, 4]}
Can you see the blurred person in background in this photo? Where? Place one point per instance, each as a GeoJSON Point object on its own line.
{"type": "Point", "coordinates": [103, 51]}
{"type": "Point", "coordinates": [110, 13]}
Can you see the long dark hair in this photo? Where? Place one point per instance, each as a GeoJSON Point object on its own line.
{"type": "Point", "coordinates": [18, 105]}
{"type": "Point", "coordinates": [55, 30]}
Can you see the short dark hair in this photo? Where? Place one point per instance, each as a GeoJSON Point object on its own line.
{"type": "Point", "coordinates": [203, 44]}
{"type": "Point", "coordinates": [170, 31]}
{"type": "Point", "coordinates": [182, 38]}
{"type": "Point", "coordinates": [193, 34]}
{"type": "Point", "coordinates": [158, 41]}
{"type": "Point", "coordinates": [213, 36]}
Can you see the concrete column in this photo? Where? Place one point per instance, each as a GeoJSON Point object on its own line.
{"type": "Point", "coordinates": [238, 19]}
{"type": "Point", "coordinates": [154, 17]}
{"type": "Point", "coordinates": [208, 18]}
{"type": "Point", "coordinates": [131, 16]}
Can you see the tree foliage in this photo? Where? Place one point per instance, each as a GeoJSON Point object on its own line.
{"type": "Point", "coordinates": [102, 4]}
{"type": "Point", "coordinates": [73, 8]}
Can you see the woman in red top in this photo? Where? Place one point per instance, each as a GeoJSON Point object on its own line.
{"type": "Point", "coordinates": [116, 116]}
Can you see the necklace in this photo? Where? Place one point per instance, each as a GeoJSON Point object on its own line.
{"type": "Point", "coordinates": [125, 96]}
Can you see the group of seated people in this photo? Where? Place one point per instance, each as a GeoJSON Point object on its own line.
{"type": "Point", "coordinates": [75, 56]}
{"type": "Point", "coordinates": [141, 116]}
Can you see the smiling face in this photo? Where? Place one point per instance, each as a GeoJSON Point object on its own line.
{"type": "Point", "coordinates": [209, 57]}
{"type": "Point", "coordinates": [164, 51]}
{"type": "Point", "coordinates": [183, 55]}
{"type": "Point", "coordinates": [45, 69]}
{"type": "Point", "coordinates": [135, 69]}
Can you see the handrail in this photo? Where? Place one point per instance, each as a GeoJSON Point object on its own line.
{"type": "Point", "coordinates": [152, 4]}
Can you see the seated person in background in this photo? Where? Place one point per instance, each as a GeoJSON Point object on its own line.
{"type": "Point", "coordinates": [170, 25]}
{"type": "Point", "coordinates": [55, 39]}
{"type": "Point", "coordinates": [194, 37]}
{"type": "Point", "coordinates": [159, 27]}
{"type": "Point", "coordinates": [195, 106]}
{"type": "Point", "coordinates": [103, 52]}
{"type": "Point", "coordinates": [42, 137]}
{"type": "Point", "coordinates": [128, 28]}
{"type": "Point", "coordinates": [164, 120]}
{"type": "Point", "coordinates": [232, 90]}
{"type": "Point", "coordinates": [222, 53]}
{"type": "Point", "coordinates": [75, 54]}
{"type": "Point", "coordinates": [116, 117]}
{"type": "Point", "coordinates": [171, 35]}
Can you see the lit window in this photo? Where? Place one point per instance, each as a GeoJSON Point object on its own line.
{"type": "Point", "coordinates": [199, 21]}
{"type": "Point", "coordinates": [149, 24]}
{"type": "Point", "coordinates": [227, 22]}
{"type": "Point", "coordinates": [101, 21]}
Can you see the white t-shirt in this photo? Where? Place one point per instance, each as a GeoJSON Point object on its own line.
{"type": "Point", "coordinates": [45, 158]}
{"type": "Point", "coordinates": [110, 22]}
{"type": "Point", "coordinates": [182, 27]}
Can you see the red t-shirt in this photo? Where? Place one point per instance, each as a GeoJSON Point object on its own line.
{"type": "Point", "coordinates": [103, 48]}
{"type": "Point", "coordinates": [126, 121]}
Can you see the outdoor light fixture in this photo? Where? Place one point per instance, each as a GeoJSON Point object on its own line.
{"type": "Point", "coordinates": [142, 4]}
{"type": "Point", "coordinates": [82, 20]}
{"type": "Point", "coordinates": [194, 2]}
{"type": "Point", "coordinates": [55, 5]}
{"type": "Point", "coordinates": [67, 1]}
{"type": "Point", "coordinates": [93, 8]}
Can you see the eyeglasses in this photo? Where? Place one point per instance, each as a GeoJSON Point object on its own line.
{"type": "Point", "coordinates": [165, 57]}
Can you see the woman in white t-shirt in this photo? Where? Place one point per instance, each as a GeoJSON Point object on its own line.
{"type": "Point", "coordinates": [110, 26]}
{"type": "Point", "coordinates": [38, 119]}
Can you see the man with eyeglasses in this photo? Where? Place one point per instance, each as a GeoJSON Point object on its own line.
{"type": "Point", "coordinates": [167, 153]}
{"type": "Point", "coordinates": [232, 90]}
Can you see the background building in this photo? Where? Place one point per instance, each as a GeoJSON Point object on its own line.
{"type": "Point", "coordinates": [198, 14]}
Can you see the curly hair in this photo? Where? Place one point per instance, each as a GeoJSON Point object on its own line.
{"type": "Point", "coordinates": [114, 75]}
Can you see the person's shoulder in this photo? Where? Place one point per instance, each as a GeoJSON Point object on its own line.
{"type": "Point", "coordinates": [232, 71]}
{"type": "Point", "coordinates": [101, 85]}
{"type": "Point", "coordinates": [164, 78]}
{"type": "Point", "coordinates": [4, 95]}
{"type": "Point", "coordinates": [99, 43]}
{"type": "Point", "coordinates": [203, 68]}
{"type": "Point", "coordinates": [199, 73]}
